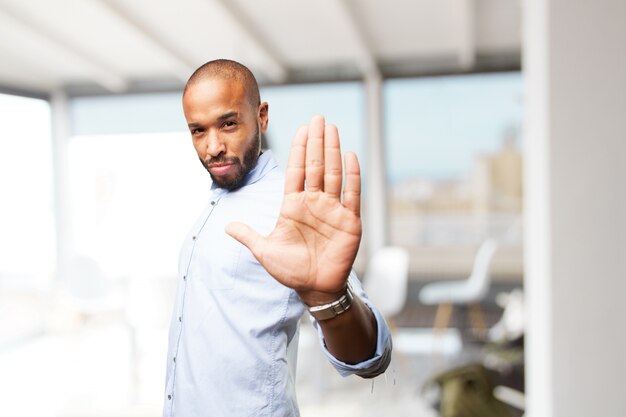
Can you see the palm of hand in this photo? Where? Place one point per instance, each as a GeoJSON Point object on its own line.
{"type": "Point", "coordinates": [317, 235]}
{"type": "Point", "coordinates": [314, 243]}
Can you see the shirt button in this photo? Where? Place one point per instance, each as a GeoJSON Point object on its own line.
{"type": "Point", "coordinates": [213, 202]}
{"type": "Point", "coordinates": [184, 277]}
{"type": "Point", "coordinates": [174, 358]}
{"type": "Point", "coordinates": [193, 238]}
{"type": "Point", "coordinates": [169, 397]}
{"type": "Point", "coordinates": [180, 318]}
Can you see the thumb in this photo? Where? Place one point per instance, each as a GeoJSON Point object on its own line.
{"type": "Point", "coordinates": [246, 236]}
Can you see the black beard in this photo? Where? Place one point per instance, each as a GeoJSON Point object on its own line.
{"type": "Point", "coordinates": [249, 158]}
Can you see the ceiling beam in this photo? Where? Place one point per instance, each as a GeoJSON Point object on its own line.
{"type": "Point", "coordinates": [97, 71]}
{"type": "Point", "coordinates": [24, 82]}
{"type": "Point", "coordinates": [276, 70]}
{"type": "Point", "coordinates": [366, 61]}
{"type": "Point", "coordinates": [181, 66]}
{"type": "Point", "coordinates": [23, 75]}
{"type": "Point", "coordinates": [17, 91]}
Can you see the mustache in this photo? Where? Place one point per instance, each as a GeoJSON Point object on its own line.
{"type": "Point", "coordinates": [220, 160]}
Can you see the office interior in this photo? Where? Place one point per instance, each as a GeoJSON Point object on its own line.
{"type": "Point", "coordinates": [491, 137]}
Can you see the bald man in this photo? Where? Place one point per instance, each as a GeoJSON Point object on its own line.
{"type": "Point", "coordinates": [268, 247]}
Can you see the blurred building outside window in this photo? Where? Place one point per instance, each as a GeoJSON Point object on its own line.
{"type": "Point", "coordinates": [454, 170]}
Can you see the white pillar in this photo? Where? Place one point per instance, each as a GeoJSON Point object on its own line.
{"type": "Point", "coordinates": [467, 32]}
{"type": "Point", "coordinates": [575, 175]}
{"type": "Point", "coordinates": [60, 136]}
{"type": "Point", "coordinates": [376, 199]}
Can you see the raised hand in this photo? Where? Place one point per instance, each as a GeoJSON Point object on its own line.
{"type": "Point", "coordinates": [317, 236]}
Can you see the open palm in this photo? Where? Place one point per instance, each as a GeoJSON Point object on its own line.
{"type": "Point", "coordinates": [317, 236]}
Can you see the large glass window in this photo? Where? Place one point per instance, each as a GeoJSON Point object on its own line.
{"type": "Point", "coordinates": [134, 195]}
{"type": "Point", "coordinates": [454, 163]}
{"type": "Point", "coordinates": [27, 250]}
{"type": "Point", "coordinates": [293, 106]}
{"type": "Point", "coordinates": [27, 244]}
{"type": "Point", "coordinates": [133, 198]}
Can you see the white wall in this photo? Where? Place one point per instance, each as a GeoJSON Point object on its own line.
{"type": "Point", "coordinates": [575, 69]}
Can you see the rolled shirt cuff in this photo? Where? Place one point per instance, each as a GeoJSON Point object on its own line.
{"type": "Point", "coordinates": [369, 368]}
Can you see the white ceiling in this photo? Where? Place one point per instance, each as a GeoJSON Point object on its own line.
{"type": "Point", "coordinates": [100, 46]}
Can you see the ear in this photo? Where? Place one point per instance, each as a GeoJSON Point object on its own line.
{"type": "Point", "coordinates": [263, 115]}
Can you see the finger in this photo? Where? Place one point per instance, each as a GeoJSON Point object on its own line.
{"type": "Point", "coordinates": [314, 168]}
{"type": "Point", "coordinates": [248, 237]}
{"type": "Point", "coordinates": [294, 175]}
{"type": "Point", "coordinates": [332, 162]}
{"type": "Point", "coordinates": [352, 188]}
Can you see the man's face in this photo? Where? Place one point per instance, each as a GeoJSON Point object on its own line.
{"type": "Point", "coordinates": [225, 128]}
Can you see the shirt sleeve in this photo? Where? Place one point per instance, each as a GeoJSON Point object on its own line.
{"type": "Point", "coordinates": [378, 363]}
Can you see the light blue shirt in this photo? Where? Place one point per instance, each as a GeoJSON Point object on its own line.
{"type": "Point", "coordinates": [233, 334]}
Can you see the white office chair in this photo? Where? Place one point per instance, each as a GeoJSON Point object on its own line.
{"type": "Point", "coordinates": [466, 292]}
{"type": "Point", "coordinates": [386, 280]}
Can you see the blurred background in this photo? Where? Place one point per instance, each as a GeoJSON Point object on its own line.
{"type": "Point", "coordinates": [493, 226]}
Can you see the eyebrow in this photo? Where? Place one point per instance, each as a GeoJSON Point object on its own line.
{"type": "Point", "coordinates": [228, 115]}
{"type": "Point", "coordinates": [220, 118]}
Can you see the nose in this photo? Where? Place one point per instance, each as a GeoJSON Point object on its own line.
{"type": "Point", "coordinates": [214, 145]}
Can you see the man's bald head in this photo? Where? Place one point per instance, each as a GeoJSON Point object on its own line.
{"type": "Point", "coordinates": [230, 71]}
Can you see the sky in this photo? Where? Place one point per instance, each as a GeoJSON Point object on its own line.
{"type": "Point", "coordinates": [435, 126]}
{"type": "Point", "coordinates": [341, 104]}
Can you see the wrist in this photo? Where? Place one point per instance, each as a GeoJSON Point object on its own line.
{"type": "Point", "coordinates": [313, 298]}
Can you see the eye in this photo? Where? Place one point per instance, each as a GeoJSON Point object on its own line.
{"type": "Point", "coordinates": [197, 131]}
{"type": "Point", "coordinates": [229, 124]}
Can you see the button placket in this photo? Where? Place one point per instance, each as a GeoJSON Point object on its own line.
{"type": "Point", "coordinates": [194, 239]}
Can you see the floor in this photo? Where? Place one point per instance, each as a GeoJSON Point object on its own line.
{"type": "Point", "coordinates": [85, 370]}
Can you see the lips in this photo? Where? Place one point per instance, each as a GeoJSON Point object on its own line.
{"type": "Point", "coordinates": [221, 169]}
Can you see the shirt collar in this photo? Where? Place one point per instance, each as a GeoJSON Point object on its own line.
{"type": "Point", "coordinates": [264, 164]}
